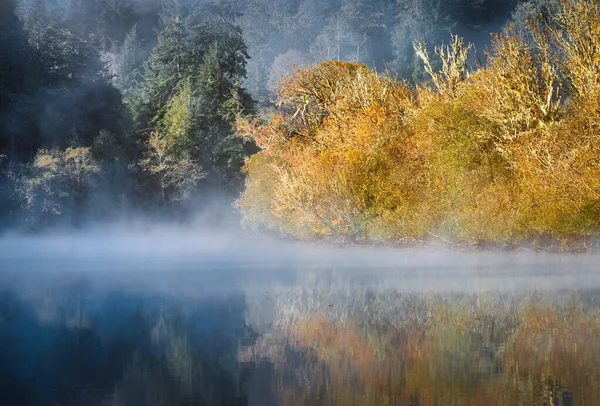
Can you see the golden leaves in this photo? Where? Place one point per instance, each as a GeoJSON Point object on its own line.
{"type": "Point", "coordinates": [504, 154]}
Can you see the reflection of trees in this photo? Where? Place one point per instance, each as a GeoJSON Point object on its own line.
{"type": "Point", "coordinates": [130, 350]}
{"type": "Point", "coordinates": [466, 350]}
{"type": "Point", "coordinates": [188, 357]}
{"type": "Point", "coordinates": [321, 346]}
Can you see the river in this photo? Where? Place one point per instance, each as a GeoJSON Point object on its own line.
{"type": "Point", "coordinates": [170, 318]}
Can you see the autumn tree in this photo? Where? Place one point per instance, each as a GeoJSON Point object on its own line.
{"type": "Point", "coordinates": [324, 161]}
{"type": "Point", "coordinates": [173, 176]}
{"type": "Point", "coordinates": [54, 184]}
{"type": "Point", "coordinates": [503, 154]}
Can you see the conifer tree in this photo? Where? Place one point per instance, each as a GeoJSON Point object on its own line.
{"type": "Point", "coordinates": [166, 67]}
{"type": "Point", "coordinates": [18, 74]}
{"type": "Point", "coordinates": [127, 74]}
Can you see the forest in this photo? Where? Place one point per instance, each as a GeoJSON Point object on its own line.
{"type": "Point", "coordinates": [352, 120]}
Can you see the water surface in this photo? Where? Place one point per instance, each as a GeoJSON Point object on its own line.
{"type": "Point", "coordinates": [230, 321]}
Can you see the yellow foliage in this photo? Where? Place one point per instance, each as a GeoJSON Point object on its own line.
{"type": "Point", "coordinates": [505, 154]}
{"type": "Point", "coordinates": [454, 63]}
{"type": "Point", "coordinates": [54, 180]}
{"type": "Point", "coordinates": [334, 153]}
{"type": "Point", "coordinates": [578, 38]}
{"type": "Point", "coordinates": [522, 89]}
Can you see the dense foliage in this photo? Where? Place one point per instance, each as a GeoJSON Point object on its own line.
{"type": "Point", "coordinates": [504, 153]}
{"type": "Point", "coordinates": [99, 115]}
{"type": "Point", "coordinates": [143, 96]}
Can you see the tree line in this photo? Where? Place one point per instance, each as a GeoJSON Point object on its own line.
{"type": "Point", "coordinates": [112, 106]}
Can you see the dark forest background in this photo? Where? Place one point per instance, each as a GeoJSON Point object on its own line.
{"type": "Point", "coordinates": [111, 107]}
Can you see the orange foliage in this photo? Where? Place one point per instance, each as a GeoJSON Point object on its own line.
{"type": "Point", "coordinates": [334, 153]}
{"type": "Point", "coordinates": [506, 154]}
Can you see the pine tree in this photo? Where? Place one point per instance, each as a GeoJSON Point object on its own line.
{"type": "Point", "coordinates": [35, 17]}
{"type": "Point", "coordinates": [166, 67]}
{"type": "Point", "coordinates": [232, 51]}
{"type": "Point", "coordinates": [84, 17]}
{"type": "Point", "coordinates": [127, 74]}
{"type": "Point", "coordinates": [194, 96]}
{"type": "Point", "coordinates": [221, 100]}
{"type": "Point", "coordinates": [18, 74]}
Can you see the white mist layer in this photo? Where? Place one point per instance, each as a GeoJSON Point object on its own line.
{"type": "Point", "coordinates": [172, 256]}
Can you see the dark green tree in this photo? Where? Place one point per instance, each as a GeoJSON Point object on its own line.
{"type": "Point", "coordinates": [220, 100]}
{"type": "Point", "coordinates": [194, 95]}
{"type": "Point", "coordinates": [18, 76]}
{"type": "Point", "coordinates": [127, 70]}
{"type": "Point", "coordinates": [36, 21]}
{"type": "Point", "coordinates": [167, 66]}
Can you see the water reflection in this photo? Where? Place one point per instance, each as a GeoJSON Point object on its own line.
{"type": "Point", "coordinates": [76, 345]}
{"type": "Point", "coordinates": [441, 349]}
{"type": "Point", "coordinates": [319, 337]}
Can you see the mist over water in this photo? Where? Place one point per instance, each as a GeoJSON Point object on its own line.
{"type": "Point", "coordinates": [163, 315]}
{"type": "Point", "coordinates": [238, 260]}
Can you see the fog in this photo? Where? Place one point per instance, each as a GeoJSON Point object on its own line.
{"type": "Point", "coordinates": [187, 258]}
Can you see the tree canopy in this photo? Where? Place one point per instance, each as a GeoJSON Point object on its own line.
{"type": "Point", "coordinates": [376, 119]}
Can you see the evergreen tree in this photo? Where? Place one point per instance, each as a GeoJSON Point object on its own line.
{"type": "Point", "coordinates": [18, 75]}
{"type": "Point", "coordinates": [231, 49]}
{"type": "Point", "coordinates": [127, 75]}
{"type": "Point", "coordinates": [117, 20]}
{"type": "Point", "coordinates": [166, 67]}
{"type": "Point", "coordinates": [220, 102]}
{"type": "Point", "coordinates": [84, 17]}
{"type": "Point", "coordinates": [36, 21]}
{"type": "Point", "coordinates": [194, 96]}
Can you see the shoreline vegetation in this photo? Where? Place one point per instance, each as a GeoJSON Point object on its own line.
{"type": "Point", "coordinates": [496, 156]}
{"type": "Point", "coordinates": [171, 111]}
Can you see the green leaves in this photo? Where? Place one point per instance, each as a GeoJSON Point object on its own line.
{"type": "Point", "coordinates": [194, 95]}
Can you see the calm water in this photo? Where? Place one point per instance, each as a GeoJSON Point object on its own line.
{"type": "Point", "coordinates": [88, 322]}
